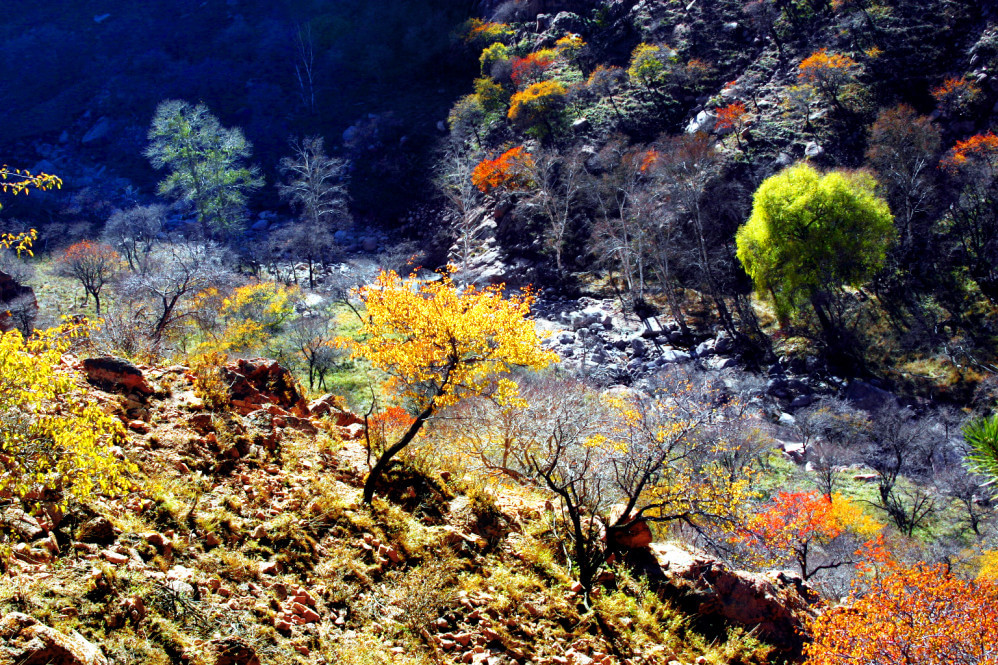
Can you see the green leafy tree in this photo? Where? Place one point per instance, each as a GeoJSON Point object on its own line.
{"type": "Point", "coordinates": [811, 234]}
{"type": "Point", "coordinates": [205, 164]}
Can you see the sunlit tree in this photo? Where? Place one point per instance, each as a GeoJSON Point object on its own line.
{"type": "Point", "coordinates": [438, 345]}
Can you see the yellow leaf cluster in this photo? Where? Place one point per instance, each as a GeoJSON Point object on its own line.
{"type": "Point", "coordinates": [54, 441]}
{"type": "Point", "coordinates": [19, 180]}
{"type": "Point", "coordinates": [439, 344]}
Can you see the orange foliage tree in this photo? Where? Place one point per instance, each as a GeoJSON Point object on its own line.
{"type": "Point", "coordinates": [93, 264]}
{"type": "Point", "coordinates": [733, 117]}
{"type": "Point", "coordinates": [956, 95]}
{"type": "Point", "coordinates": [509, 171]}
{"type": "Point", "coordinates": [532, 67]}
{"type": "Point", "coordinates": [439, 345]}
{"type": "Point", "coordinates": [829, 73]}
{"type": "Point", "coordinates": [813, 531]}
{"type": "Point", "coordinates": [919, 615]}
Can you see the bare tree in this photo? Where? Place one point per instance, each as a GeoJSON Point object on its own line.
{"type": "Point", "coordinates": [176, 272]}
{"type": "Point", "coordinates": [311, 335]}
{"type": "Point", "coordinates": [305, 67]}
{"type": "Point", "coordinates": [316, 186]}
{"type": "Point", "coordinates": [133, 232]}
{"type": "Point", "coordinates": [463, 198]}
{"type": "Point", "coordinates": [559, 187]}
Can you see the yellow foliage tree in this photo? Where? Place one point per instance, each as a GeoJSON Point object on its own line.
{"type": "Point", "coordinates": [439, 345]}
{"type": "Point", "coordinates": [247, 317]}
{"type": "Point", "coordinates": [55, 442]}
{"type": "Point", "coordinates": [537, 104]}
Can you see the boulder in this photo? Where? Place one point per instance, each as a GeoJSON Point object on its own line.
{"type": "Point", "coordinates": [25, 641]}
{"type": "Point", "coordinates": [774, 605]}
{"type": "Point", "coordinates": [116, 374]}
{"type": "Point", "coordinates": [97, 530]}
{"type": "Point", "coordinates": [234, 651]}
{"type": "Point", "coordinates": [21, 523]}
{"type": "Point", "coordinates": [98, 132]}
{"type": "Point", "coordinates": [635, 536]}
{"type": "Point", "coordinates": [867, 396]}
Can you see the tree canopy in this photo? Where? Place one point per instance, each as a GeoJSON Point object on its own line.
{"type": "Point", "coordinates": [810, 233]}
{"type": "Point", "coordinates": [438, 345]}
{"type": "Point", "coordinates": [205, 164]}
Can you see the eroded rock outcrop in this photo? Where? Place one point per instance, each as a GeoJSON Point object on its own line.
{"type": "Point", "coordinates": [25, 641]}
{"type": "Point", "coordinates": [116, 374]}
{"type": "Point", "coordinates": [775, 605]}
{"type": "Point", "coordinates": [257, 382]}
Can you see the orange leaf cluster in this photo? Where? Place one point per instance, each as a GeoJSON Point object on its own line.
{"type": "Point", "coordinates": [980, 148]}
{"type": "Point", "coordinates": [90, 251]}
{"type": "Point", "coordinates": [821, 63]}
{"type": "Point", "coordinates": [510, 170]}
{"type": "Point", "coordinates": [911, 615]}
{"type": "Point", "coordinates": [955, 87]}
{"type": "Point", "coordinates": [731, 116]}
{"type": "Point", "coordinates": [530, 68]}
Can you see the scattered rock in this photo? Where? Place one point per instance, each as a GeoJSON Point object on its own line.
{"type": "Point", "coordinates": [234, 651]}
{"type": "Point", "coordinates": [99, 131]}
{"type": "Point", "coordinates": [257, 382]}
{"type": "Point", "coordinates": [97, 530]}
{"type": "Point", "coordinates": [25, 641]}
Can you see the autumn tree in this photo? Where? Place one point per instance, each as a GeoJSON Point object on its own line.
{"type": "Point", "coordinates": [972, 163]}
{"type": "Point", "coordinates": [815, 532]}
{"type": "Point", "coordinates": [92, 264]}
{"type": "Point", "coordinates": [439, 345]}
{"type": "Point", "coordinates": [133, 232]}
{"type": "Point", "coordinates": [55, 442]}
{"type": "Point", "coordinates": [733, 118]}
{"type": "Point", "coordinates": [910, 615]}
{"type": "Point", "coordinates": [811, 234]}
{"type": "Point", "coordinates": [956, 96]}
{"type": "Point", "coordinates": [651, 65]}
{"type": "Point", "coordinates": [532, 67]}
{"type": "Point", "coordinates": [829, 73]}
{"type": "Point", "coordinates": [205, 164]}
{"type": "Point", "coordinates": [511, 171]}
{"type": "Point", "coordinates": [537, 105]}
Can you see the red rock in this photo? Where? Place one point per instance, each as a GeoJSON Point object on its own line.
{"type": "Point", "coordinates": [635, 536]}
{"type": "Point", "coordinates": [25, 640]}
{"type": "Point", "coordinates": [234, 651]}
{"type": "Point", "coordinates": [270, 568]}
{"type": "Point", "coordinates": [139, 426]}
{"type": "Point", "coordinates": [110, 373]}
{"type": "Point", "coordinates": [114, 557]}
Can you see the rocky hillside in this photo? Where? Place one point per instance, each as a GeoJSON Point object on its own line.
{"type": "Point", "coordinates": [243, 542]}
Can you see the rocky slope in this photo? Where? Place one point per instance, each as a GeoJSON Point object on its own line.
{"type": "Point", "coordinates": [243, 542]}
